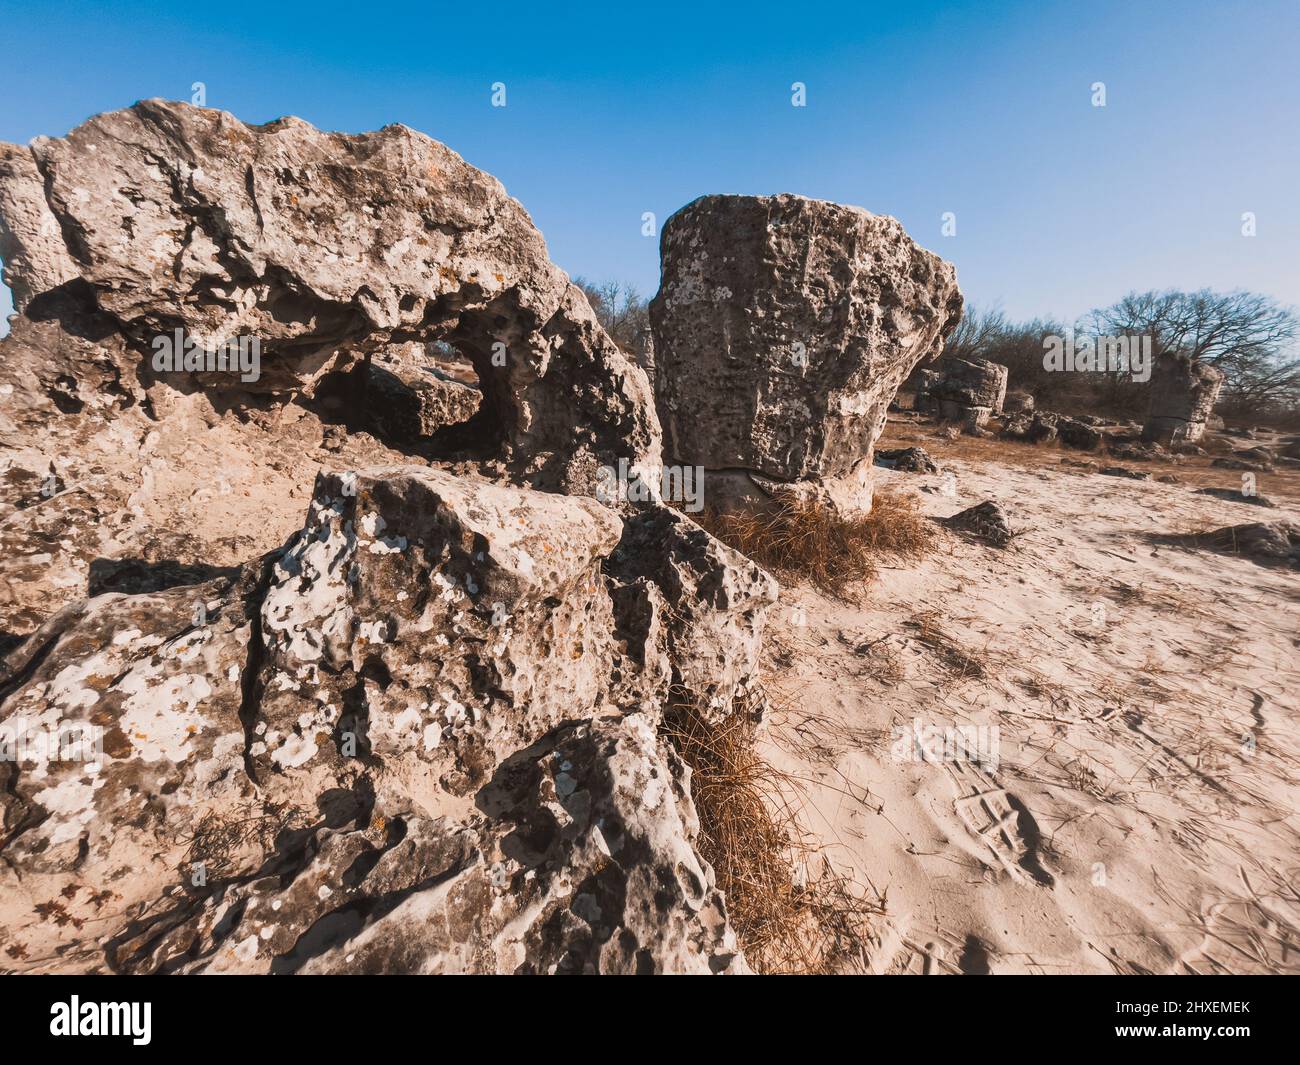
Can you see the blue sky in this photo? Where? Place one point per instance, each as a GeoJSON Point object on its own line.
{"type": "Point", "coordinates": [913, 110]}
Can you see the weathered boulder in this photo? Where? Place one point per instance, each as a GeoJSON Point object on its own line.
{"type": "Point", "coordinates": [907, 459]}
{"type": "Point", "coordinates": [323, 247]}
{"type": "Point", "coordinates": [1079, 433]}
{"type": "Point", "coordinates": [1268, 541]}
{"type": "Point", "coordinates": [783, 327]}
{"type": "Point", "coordinates": [428, 646]}
{"type": "Point", "coordinates": [1183, 392]}
{"type": "Point", "coordinates": [453, 621]}
{"type": "Point", "coordinates": [1017, 403]}
{"type": "Point", "coordinates": [964, 386]}
{"type": "Point", "coordinates": [580, 859]}
{"type": "Point", "coordinates": [985, 521]}
{"type": "Point", "coordinates": [1034, 427]}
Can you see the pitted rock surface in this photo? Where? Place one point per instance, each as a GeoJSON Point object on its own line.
{"type": "Point", "coordinates": [324, 246]}
{"type": "Point", "coordinates": [416, 730]}
{"type": "Point", "coordinates": [783, 328]}
{"type": "Point", "coordinates": [478, 667]}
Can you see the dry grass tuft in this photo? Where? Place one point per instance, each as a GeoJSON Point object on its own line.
{"type": "Point", "coordinates": [811, 541]}
{"type": "Point", "coordinates": [787, 919]}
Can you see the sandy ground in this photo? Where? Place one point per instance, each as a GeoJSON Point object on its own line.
{"type": "Point", "coordinates": [1135, 808]}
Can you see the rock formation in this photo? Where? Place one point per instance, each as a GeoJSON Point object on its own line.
{"type": "Point", "coordinates": [1267, 541]}
{"type": "Point", "coordinates": [1018, 403]}
{"type": "Point", "coordinates": [907, 459]}
{"type": "Point", "coordinates": [1183, 392]}
{"type": "Point", "coordinates": [783, 327]}
{"type": "Point", "coordinates": [285, 685]}
{"type": "Point", "coordinates": [324, 247]}
{"type": "Point", "coordinates": [985, 521]}
{"type": "Point", "coordinates": [964, 390]}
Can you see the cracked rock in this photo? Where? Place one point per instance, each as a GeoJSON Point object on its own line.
{"type": "Point", "coordinates": [783, 327]}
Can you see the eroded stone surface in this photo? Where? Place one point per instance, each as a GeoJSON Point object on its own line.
{"type": "Point", "coordinates": [420, 738]}
{"type": "Point", "coordinates": [985, 521]}
{"type": "Point", "coordinates": [324, 247]}
{"type": "Point", "coordinates": [783, 328]}
{"type": "Point", "coordinates": [907, 459]}
{"type": "Point", "coordinates": [423, 733]}
{"type": "Point", "coordinates": [964, 390]}
{"type": "Point", "coordinates": [579, 859]}
{"type": "Point", "coordinates": [1183, 393]}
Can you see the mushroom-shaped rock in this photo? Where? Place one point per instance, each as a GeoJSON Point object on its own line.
{"type": "Point", "coordinates": [783, 328]}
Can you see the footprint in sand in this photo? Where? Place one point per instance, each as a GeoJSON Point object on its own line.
{"type": "Point", "coordinates": [943, 954]}
{"type": "Point", "coordinates": [1001, 822]}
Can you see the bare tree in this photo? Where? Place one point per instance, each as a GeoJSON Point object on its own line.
{"type": "Point", "coordinates": [621, 311]}
{"type": "Point", "coordinates": [1246, 335]}
{"type": "Point", "coordinates": [978, 333]}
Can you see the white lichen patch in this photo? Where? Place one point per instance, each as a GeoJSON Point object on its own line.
{"type": "Point", "coordinates": [295, 751]}
{"type": "Point", "coordinates": [306, 611]}
{"type": "Point", "coordinates": [71, 806]}
{"type": "Point", "coordinates": [160, 716]}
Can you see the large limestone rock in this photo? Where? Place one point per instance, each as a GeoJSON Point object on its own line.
{"type": "Point", "coordinates": [469, 675]}
{"type": "Point", "coordinates": [783, 327]}
{"type": "Point", "coordinates": [333, 252]}
{"type": "Point", "coordinates": [422, 734]}
{"type": "Point", "coordinates": [580, 860]}
{"type": "Point", "coordinates": [323, 247]}
{"type": "Point", "coordinates": [1183, 393]}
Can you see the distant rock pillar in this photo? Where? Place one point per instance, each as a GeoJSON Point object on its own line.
{"type": "Point", "coordinates": [1183, 394]}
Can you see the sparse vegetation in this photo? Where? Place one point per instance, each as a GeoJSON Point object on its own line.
{"type": "Point", "coordinates": [961, 659]}
{"type": "Point", "coordinates": [792, 912]}
{"type": "Point", "coordinates": [622, 312]}
{"type": "Point", "coordinates": [810, 541]}
{"type": "Point", "coordinates": [1250, 337]}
